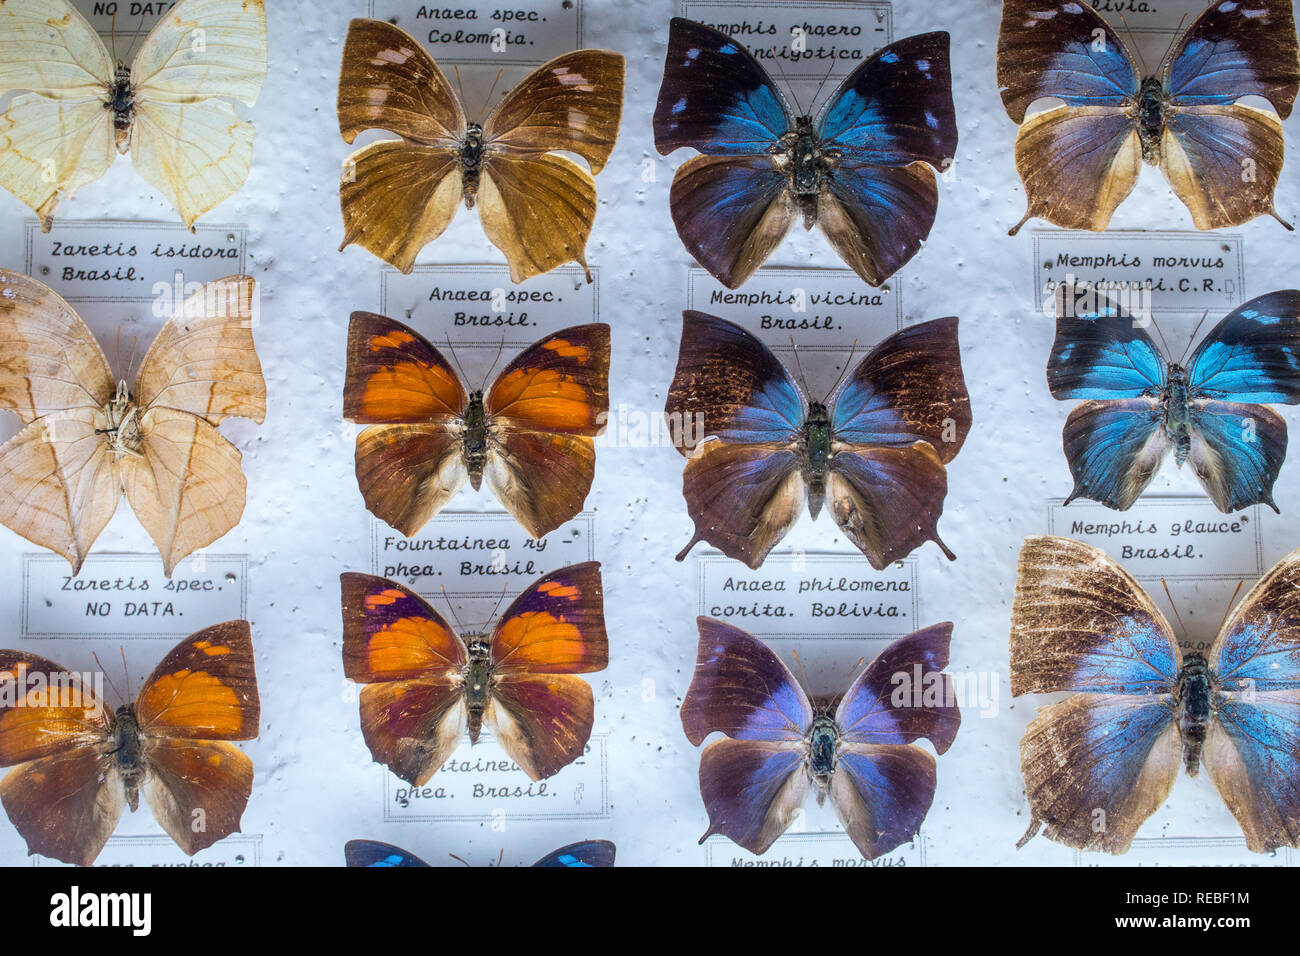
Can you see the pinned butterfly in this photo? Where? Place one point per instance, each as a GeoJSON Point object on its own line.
{"type": "Point", "coordinates": [864, 168]}
{"type": "Point", "coordinates": [1080, 160]}
{"type": "Point", "coordinates": [531, 436]}
{"type": "Point", "coordinates": [877, 449]}
{"type": "Point", "coordinates": [425, 684]}
{"type": "Point", "coordinates": [1100, 762]}
{"type": "Point", "coordinates": [87, 441]}
{"type": "Point", "coordinates": [1138, 405]}
{"type": "Point", "coordinates": [537, 206]}
{"type": "Point", "coordinates": [372, 853]}
{"type": "Point", "coordinates": [77, 765]}
{"type": "Point", "coordinates": [858, 749]}
{"type": "Point", "coordinates": [171, 107]}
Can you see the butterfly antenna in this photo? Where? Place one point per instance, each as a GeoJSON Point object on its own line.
{"type": "Point", "coordinates": [455, 359]}
{"type": "Point", "coordinates": [1232, 602]}
{"type": "Point", "coordinates": [1178, 617]}
{"type": "Point", "coordinates": [830, 68]}
{"type": "Point", "coordinates": [459, 860]}
{"type": "Point", "coordinates": [798, 365]}
{"type": "Point", "coordinates": [459, 84]}
{"type": "Point", "coordinates": [1173, 43]}
{"type": "Point", "coordinates": [1160, 332]}
{"type": "Point", "coordinates": [1196, 330]}
{"type": "Point", "coordinates": [848, 363]}
{"type": "Point", "coordinates": [487, 102]}
{"type": "Point", "coordinates": [500, 349]}
{"type": "Point", "coordinates": [785, 82]}
{"type": "Point", "coordinates": [803, 674]}
{"type": "Point", "coordinates": [126, 672]}
{"type": "Point", "coordinates": [460, 628]}
{"type": "Point", "coordinates": [1134, 45]}
{"type": "Point", "coordinates": [139, 31]}
{"type": "Point", "coordinates": [108, 680]}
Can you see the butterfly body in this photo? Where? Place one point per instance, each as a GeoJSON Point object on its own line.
{"type": "Point", "coordinates": [815, 455]}
{"type": "Point", "coordinates": [477, 681]}
{"type": "Point", "coordinates": [1195, 693]}
{"type": "Point", "coordinates": [128, 753]}
{"type": "Point", "coordinates": [121, 100]}
{"type": "Point", "coordinates": [476, 434]}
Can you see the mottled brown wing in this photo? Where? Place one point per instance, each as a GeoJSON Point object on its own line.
{"type": "Point", "coordinates": [49, 360]}
{"type": "Point", "coordinates": [538, 210]}
{"type": "Point", "coordinates": [543, 722]}
{"type": "Point", "coordinates": [888, 501]}
{"type": "Point", "coordinates": [197, 789]}
{"type": "Point", "coordinates": [59, 485]}
{"type": "Point", "coordinates": [1223, 162]}
{"type": "Point", "coordinates": [571, 104]}
{"type": "Point", "coordinates": [543, 480]}
{"type": "Point", "coordinates": [185, 485]}
{"type": "Point", "coordinates": [408, 473]}
{"type": "Point", "coordinates": [1077, 165]}
{"type": "Point", "coordinates": [203, 361]}
{"type": "Point", "coordinates": [204, 689]}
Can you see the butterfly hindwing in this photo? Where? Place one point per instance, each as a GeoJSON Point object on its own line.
{"type": "Point", "coordinates": [589, 853]}
{"type": "Point", "coordinates": [372, 853]}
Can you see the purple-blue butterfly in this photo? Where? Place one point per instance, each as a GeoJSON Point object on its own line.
{"type": "Point", "coordinates": [863, 168]}
{"type": "Point", "coordinates": [372, 853]}
{"type": "Point", "coordinates": [1138, 405]}
{"type": "Point", "coordinates": [857, 749]}
{"type": "Point", "coordinates": [1097, 764]}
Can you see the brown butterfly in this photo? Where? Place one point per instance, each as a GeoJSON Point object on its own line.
{"type": "Point", "coordinates": [77, 765]}
{"type": "Point", "coordinates": [88, 441]}
{"type": "Point", "coordinates": [425, 684]}
{"type": "Point", "coordinates": [531, 435]}
{"type": "Point", "coordinates": [537, 207]}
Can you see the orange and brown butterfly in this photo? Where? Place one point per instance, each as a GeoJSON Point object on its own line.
{"type": "Point", "coordinates": [425, 684]}
{"type": "Point", "coordinates": [77, 765]}
{"type": "Point", "coordinates": [531, 435]}
{"type": "Point", "coordinates": [537, 206]}
{"type": "Point", "coordinates": [87, 441]}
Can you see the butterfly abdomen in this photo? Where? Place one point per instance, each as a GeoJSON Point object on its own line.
{"type": "Point", "coordinates": [478, 684]}
{"type": "Point", "coordinates": [122, 103]}
{"type": "Point", "coordinates": [1193, 694]}
{"type": "Point", "coordinates": [128, 754]}
{"type": "Point", "coordinates": [1151, 119]}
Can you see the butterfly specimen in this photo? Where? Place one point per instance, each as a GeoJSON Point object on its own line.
{"type": "Point", "coordinates": [877, 448]}
{"type": "Point", "coordinates": [530, 435]}
{"type": "Point", "coordinates": [425, 683]}
{"type": "Point", "coordinates": [856, 749]}
{"type": "Point", "coordinates": [77, 765]}
{"type": "Point", "coordinates": [861, 168]}
{"type": "Point", "coordinates": [1099, 763]}
{"type": "Point", "coordinates": [1080, 160]}
{"type": "Point", "coordinates": [169, 107]}
{"type": "Point", "coordinates": [537, 206]}
{"type": "Point", "coordinates": [88, 441]}
{"type": "Point", "coordinates": [1138, 405]}
{"type": "Point", "coordinates": [371, 853]}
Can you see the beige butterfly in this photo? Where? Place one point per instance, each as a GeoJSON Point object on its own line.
{"type": "Point", "coordinates": [88, 441]}
{"type": "Point", "coordinates": [169, 108]}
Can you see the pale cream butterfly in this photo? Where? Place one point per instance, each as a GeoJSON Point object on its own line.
{"type": "Point", "coordinates": [170, 108]}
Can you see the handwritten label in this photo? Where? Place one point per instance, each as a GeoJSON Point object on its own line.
{"type": "Point", "coordinates": [828, 309]}
{"type": "Point", "coordinates": [818, 596]}
{"type": "Point", "coordinates": [477, 555]}
{"type": "Point", "coordinates": [1158, 271]}
{"type": "Point", "coordinates": [811, 849]}
{"type": "Point", "coordinates": [235, 851]}
{"type": "Point", "coordinates": [114, 261]}
{"type": "Point", "coordinates": [126, 596]}
{"type": "Point", "coordinates": [478, 307]}
{"type": "Point", "coordinates": [511, 32]}
{"type": "Point", "coordinates": [1187, 851]}
{"type": "Point", "coordinates": [1184, 538]}
{"type": "Point", "coordinates": [483, 783]}
{"type": "Point", "coordinates": [807, 41]}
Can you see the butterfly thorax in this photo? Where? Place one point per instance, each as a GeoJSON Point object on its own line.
{"type": "Point", "coordinates": [1178, 413]}
{"type": "Point", "coordinates": [477, 681]}
{"type": "Point", "coordinates": [815, 454]}
{"type": "Point", "coordinates": [121, 100]}
{"type": "Point", "coordinates": [1194, 695]}
{"type": "Point", "coordinates": [1149, 109]}
{"type": "Point", "coordinates": [800, 154]}
{"type": "Point", "coordinates": [474, 438]}
{"type": "Point", "coordinates": [120, 427]}
{"type": "Point", "coordinates": [128, 753]}
{"type": "Point", "coordinates": [471, 154]}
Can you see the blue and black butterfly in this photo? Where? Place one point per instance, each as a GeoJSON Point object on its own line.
{"type": "Point", "coordinates": [1097, 764]}
{"type": "Point", "coordinates": [1138, 405]}
{"type": "Point", "coordinates": [1079, 160]}
{"type": "Point", "coordinates": [372, 853]}
{"type": "Point", "coordinates": [861, 168]}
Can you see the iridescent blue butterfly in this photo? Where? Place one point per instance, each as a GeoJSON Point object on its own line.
{"type": "Point", "coordinates": [1079, 160]}
{"type": "Point", "coordinates": [862, 168]}
{"type": "Point", "coordinates": [1097, 764]}
{"type": "Point", "coordinates": [1138, 405]}
{"type": "Point", "coordinates": [371, 853]}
